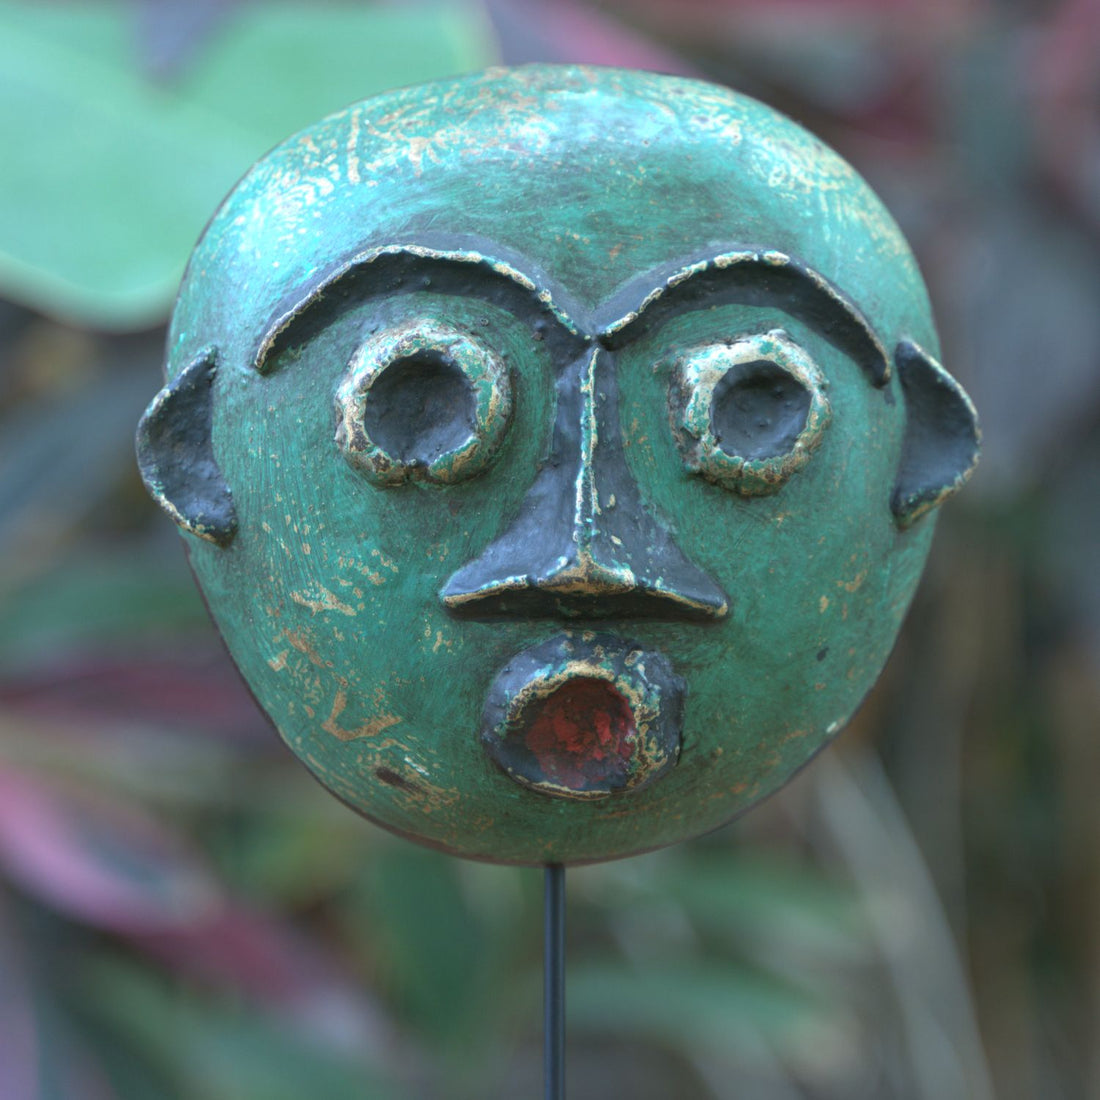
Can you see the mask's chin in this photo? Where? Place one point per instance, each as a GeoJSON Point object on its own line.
{"type": "Point", "coordinates": [584, 715]}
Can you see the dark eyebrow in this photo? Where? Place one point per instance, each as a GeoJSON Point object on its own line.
{"type": "Point", "coordinates": [749, 276]}
{"type": "Point", "coordinates": [393, 268]}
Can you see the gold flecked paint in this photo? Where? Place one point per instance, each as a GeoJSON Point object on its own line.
{"type": "Point", "coordinates": [589, 230]}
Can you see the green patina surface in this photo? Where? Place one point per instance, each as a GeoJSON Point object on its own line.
{"type": "Point", "coordinates": [329, 593]}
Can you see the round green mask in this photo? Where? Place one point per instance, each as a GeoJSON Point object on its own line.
{"type": "Point", "coordinates": [555, 449]}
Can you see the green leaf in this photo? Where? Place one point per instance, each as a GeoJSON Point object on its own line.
{"type": "Point", "coordinates": [114, 175]}
{"type": "Point", "coordinates": [772, 900]}
{"type": "Point", "coordinates": [692, 1008]}
{"type": "Point", "coordinates": [214, 1052]}
{"type": "Point", "coordinates": [431, 952]}
{"type": "Point", "coordinates": [752, 900]}
{"type": "Point", "coordinates": [99, 600]}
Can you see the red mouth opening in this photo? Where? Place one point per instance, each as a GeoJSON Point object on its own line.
{"type": "Point", "coordinates": [583, 734]}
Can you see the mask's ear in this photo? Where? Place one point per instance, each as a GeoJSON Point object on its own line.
{"type": "Point", "coordinates": [176, 459]}
{"type": "Point", "coordinates": [941, 435]}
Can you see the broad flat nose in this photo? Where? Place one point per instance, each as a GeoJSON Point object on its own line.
{"type": "Point", "coordinates": [583, 543]}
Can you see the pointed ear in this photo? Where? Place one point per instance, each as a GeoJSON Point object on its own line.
{"type": "Point", "coordinates": [176, 459]}
{"type": "Point", "coordinates": [941, 435]}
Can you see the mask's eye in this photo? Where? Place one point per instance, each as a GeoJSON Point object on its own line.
{"type": "Point", "coordinates": [427, 400]}
{"type": "Point", "coordinates": [748, 414]}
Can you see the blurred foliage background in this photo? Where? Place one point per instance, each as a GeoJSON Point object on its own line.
{"type": "Point", "coordinates": [185, 915]}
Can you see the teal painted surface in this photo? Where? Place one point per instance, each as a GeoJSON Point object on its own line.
{"type": "Point", "coordinates": [329, 594]}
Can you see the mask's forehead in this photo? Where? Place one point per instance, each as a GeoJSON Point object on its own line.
{"type": "Point", "coordinates": [593, 176]}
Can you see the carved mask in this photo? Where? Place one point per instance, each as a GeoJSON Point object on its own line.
{"type": "Point", "coordinates": [556, 449]}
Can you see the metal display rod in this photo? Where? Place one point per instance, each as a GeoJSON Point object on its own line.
{"type": "Point", "coordinates": [553, 1034]}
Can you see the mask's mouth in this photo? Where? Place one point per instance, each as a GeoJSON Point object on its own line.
{"type": "Point", "coordinates": [584, 715]}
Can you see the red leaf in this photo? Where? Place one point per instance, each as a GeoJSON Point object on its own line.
{"type": "Point", "coordinates": [202, 692]}
{"type": "Point", "coordinates": [277, 966]}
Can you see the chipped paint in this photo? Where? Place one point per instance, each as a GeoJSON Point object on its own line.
{"type": "Point", "coordinates": [321, 599]}
{"type": "Point", "coordinates": [371, 728]}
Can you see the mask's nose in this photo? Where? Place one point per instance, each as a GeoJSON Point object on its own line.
{"type": "Point", "coordinates": [583, 544]}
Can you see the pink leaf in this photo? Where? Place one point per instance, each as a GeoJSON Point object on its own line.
{"type": "Point", "coordinates": [277, 966]}
{"type": "Point", "coordinates": [113, 867]}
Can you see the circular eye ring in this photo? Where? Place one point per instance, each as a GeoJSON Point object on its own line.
{"type": "Point", "coordinates": [450, 348]}
{"type": "Point", "coordinates": [700, 374]}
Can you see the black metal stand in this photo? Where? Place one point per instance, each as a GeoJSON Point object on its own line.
{"type": "Point", "coordinates": [553, 1036]}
